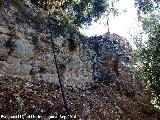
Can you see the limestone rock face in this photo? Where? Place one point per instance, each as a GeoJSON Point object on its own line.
{"type": "Point", "coordinates": [107, 52]}
{"type": "Point", "coordinates": [26, 51]}
{"type": "Point", "coordinates": [96, 72]}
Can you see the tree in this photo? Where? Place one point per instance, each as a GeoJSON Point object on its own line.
{"type": "Point", "coordinates": [147, 55]}
{"type": "Point", "coordinates": [76, 11]}
{"type": "Point", "coordinates": [146, 6]}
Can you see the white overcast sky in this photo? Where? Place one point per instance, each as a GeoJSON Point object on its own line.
{"type": "Point", "coordinates": [125, 24]}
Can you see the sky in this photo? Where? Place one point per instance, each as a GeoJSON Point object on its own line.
{"type": "Point", "coordinates": [125, 24]}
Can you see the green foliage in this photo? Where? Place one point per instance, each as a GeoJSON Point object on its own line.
{"type": "Point", "coordinates": [77, 12]}
{"type": "Point", "coordinates": [147, 57]}
{"type": "Point", "coordinates": [144, 5]}
{"type": "Point", "coordinates": [150, 23]}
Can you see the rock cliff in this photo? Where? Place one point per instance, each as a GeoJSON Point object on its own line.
{"type": "Point", "coordinates": [96, 72]}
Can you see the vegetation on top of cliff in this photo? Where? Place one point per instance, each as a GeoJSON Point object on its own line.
{"type": "Point", "coordinates": [77, 12]}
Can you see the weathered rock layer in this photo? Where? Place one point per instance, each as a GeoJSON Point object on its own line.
{"type": "Point", "coordinates": [96, 71]}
